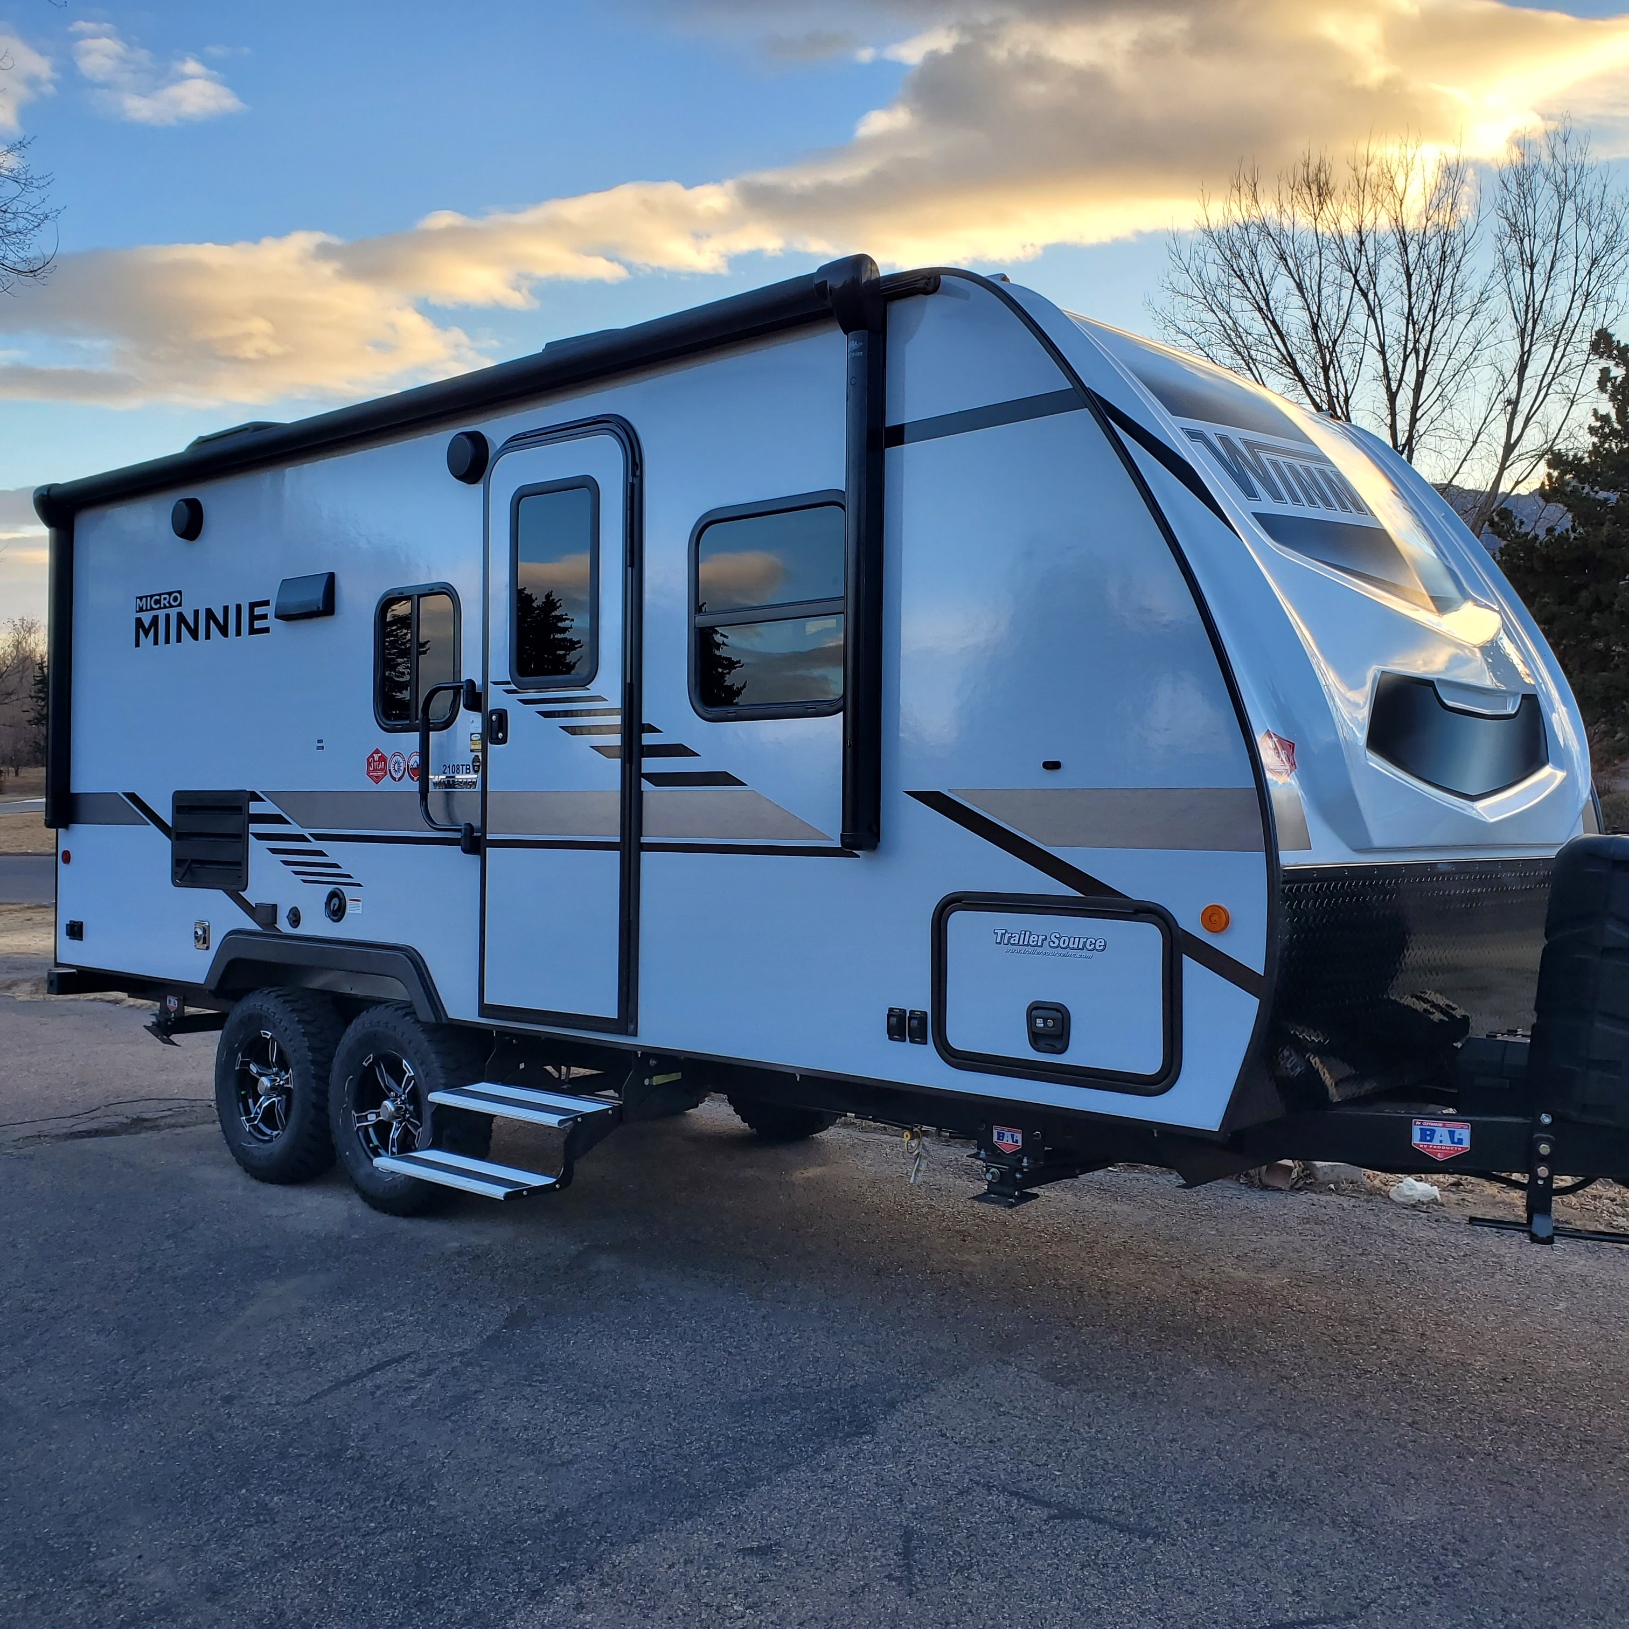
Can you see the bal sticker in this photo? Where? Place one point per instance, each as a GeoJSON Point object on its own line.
{"type": "Point", "coordinates": [1009, 1139]}
{"type": "Point", "coordinates": [378, 766]}
{"type": "Point", "coordinates": [1442, 1139]}
{"type": "Point", "coordinates": [398, 766]}
{"type": "Point", "coordinates": [413, 766]}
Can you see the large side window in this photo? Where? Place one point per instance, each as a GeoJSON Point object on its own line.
{"type": "Point", "coordinates": [554, 622]}
{"type": "Point", "coordinates": [415, 646]}
{"type": "Point", "coordinates": [767, 609]}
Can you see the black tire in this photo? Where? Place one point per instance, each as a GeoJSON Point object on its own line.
{"type": "Point", "coordinates": [388, 1058]}
{"type": "Point", "coordinates": [779, 1122]}
{"type": "Point", "coordinates": [272, 1066]}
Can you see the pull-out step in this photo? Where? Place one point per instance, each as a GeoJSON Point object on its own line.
{"type": "Point", "coordinates": [524, 1103]}
{"type": "Point", "coordinates": [484, 1177]}
{"type": "Point", "coordinates": [584, 1120]}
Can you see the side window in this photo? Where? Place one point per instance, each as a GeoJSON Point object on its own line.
{"type": "Point", "coordinates": [415, 646]}
{"type": "Point", "coordinates": [767, 599]}
{"type": "Point", "coordinates": [554, 622]}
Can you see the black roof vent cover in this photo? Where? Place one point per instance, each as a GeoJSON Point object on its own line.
{"type": "Point", "coordinates": [1470, 754]}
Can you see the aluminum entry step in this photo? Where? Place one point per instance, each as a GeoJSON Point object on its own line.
{"type": "Point", "coordinates": [524, 1103]}
{"type": "Point", "coordinates": [460, 1171]}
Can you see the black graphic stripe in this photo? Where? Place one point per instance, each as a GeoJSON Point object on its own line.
{"type": "Point", "coordinates": [148, 813]}
{"type": "Point", "coordinates": [795, 850]}
{"type": "Point", "coordinates": [982, 418]}
{"type": "Point", "coordinates": [1167, 455]}
{"type": "Point", "coordinates": [603, 846]}
{"type": "Point", "coordinates": [1045, 405]}
{"type": "Point", "coordinates": [249, 911]}
{"type": "Point", "coordinates": [410, 839]}
{"type": "Point", "coordinates": [1083, 882]}
{"type": "Point", "coordinates": [691, 777]}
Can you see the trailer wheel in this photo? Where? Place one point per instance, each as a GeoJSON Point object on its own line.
{"type": "Point", "coordinates": [387, 1064]}
{"type": "Point", "coordinates": [272, 1065]}
{"type": "Point", "coordinates": [779, 1122]}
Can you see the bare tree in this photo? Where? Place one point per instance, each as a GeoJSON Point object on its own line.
{"type": "Point", "coordinates": [1453, 320]}
{"type": "Point", "coordinates": [22, 683]}
{"type": "Point", "coordinates": [24, 213]}
{"type": "Point", "coordinates": [1561, 250]}
{"type": "Point", "coordinates": [1263, 288]}
{"type": "Point", "coordinates": [1408, 248]}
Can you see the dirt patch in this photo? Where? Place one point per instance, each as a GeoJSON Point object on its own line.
{"type": "Point", "coordinates": [23, 783]}
{"type": "Point", "coordinates": [25, 833]}
{"type": "Point", "coordinates": [27, 949]}
{"type": "Point", "coordinates": [27, 930]}
{"type": "Point", "coordinates": [1603, 1206]}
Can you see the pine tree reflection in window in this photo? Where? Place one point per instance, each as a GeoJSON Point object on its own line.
{"type": "Point", "coordinates": [769, 611]}
{"type": "Point", "coordinates": [396, 661]}
{"type": "Point", "coordinates": [556, 585]}
{"type": "Point", "coordinates": [415, 647]}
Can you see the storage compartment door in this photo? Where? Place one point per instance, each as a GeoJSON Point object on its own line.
{"type": "Point", "coordinates": [1057, 990]}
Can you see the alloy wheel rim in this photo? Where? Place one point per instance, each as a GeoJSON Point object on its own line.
{"type": "Point", "coordinates": [386, 1105]}
{"type": "Point", "coordinates": [265, 1088]}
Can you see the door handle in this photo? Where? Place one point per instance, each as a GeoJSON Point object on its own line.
{"type": "Point", "coordinates": [468, 695]}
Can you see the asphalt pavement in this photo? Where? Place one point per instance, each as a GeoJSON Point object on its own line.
{"type": "Point", "coordinates": [719, 1383]}
{"type": "Point", "coordinates": [27, 879]}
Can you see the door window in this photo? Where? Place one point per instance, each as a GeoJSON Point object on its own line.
{"type": "Point", "coordinates": [554, 628]}
{"type": "Point", "coordinates": [767, 597]}
{"type": "Point", "coordinates": [415, 646]}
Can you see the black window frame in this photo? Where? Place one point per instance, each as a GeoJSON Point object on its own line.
{"type": "Point", "coordinates": [583, 679]}
{"type": "Point", "coordinates": [784, 611]}
{"type": "Point", "coordinates": [415, 593]}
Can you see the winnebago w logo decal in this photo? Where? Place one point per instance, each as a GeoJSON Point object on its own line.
{"type": "Point", "coordinates": [1262, 469]}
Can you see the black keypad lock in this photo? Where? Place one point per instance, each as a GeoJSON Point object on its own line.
{"type": "Point", "coordinates": [1048, 1026]}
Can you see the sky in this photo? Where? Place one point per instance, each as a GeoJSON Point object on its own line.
{"type": "Point", "coordinates": [268, 211]}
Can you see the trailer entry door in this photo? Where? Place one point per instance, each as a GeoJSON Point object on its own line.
{"type": "Point", "coordinates": [562, 809]}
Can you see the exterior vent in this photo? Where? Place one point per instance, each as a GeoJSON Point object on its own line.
{"type": "Point", "coordinates": [209, 840]}
{"type": "Point", "coordinates": [1470, 754]}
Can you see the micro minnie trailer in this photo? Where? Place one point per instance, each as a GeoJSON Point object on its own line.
{"type": "Point", "coordinates": [876, 694]}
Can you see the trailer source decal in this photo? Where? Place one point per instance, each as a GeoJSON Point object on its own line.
{"type": "Point", "coordinates": [1442, 1139]}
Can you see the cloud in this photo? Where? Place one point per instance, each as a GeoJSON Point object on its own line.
{"type": "Point", "coordinates": [239, 322]}
{"type": "Point", "coordinates": [817, 45]}
{"type": "Point", "coordinates": [17, 517]}
{"type": "Point", "coordinates": [132, 86]}
{"type": "Point", "coordinates": [1018, 124]}
{"type": "Point", "coordinates": [24, 75]}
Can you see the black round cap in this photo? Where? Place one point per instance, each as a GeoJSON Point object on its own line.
{"type": "Point", "coordinates": [187, 519]}
{"type": "Point", "coordinates": [467, 456]}
{"type": "Point", "coordinates": [334, 906]}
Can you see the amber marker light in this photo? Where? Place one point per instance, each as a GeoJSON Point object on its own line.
{"type": "Point", "coordinates": [1215, 918]}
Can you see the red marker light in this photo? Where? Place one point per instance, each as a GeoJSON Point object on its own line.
{"type": "Point", "coordinates": [66, 856]}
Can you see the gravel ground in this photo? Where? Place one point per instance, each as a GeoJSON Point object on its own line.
{"type": "Point", "coordinates": [718, 1383]}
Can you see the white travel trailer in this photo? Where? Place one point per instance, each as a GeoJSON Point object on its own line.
{"type": "Point", "coordinates": [870, 694]}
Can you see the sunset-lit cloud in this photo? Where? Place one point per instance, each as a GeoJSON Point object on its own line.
{"type": "Point", "coordinates": [1017, 126]}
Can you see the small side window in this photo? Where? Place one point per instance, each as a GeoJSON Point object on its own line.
{"type": "Point", "coordinates": [554, 626]}
{"type": "Point", "coordinates": [767, 599]}
{"type": "Point", "coordinates": [415, 646]}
